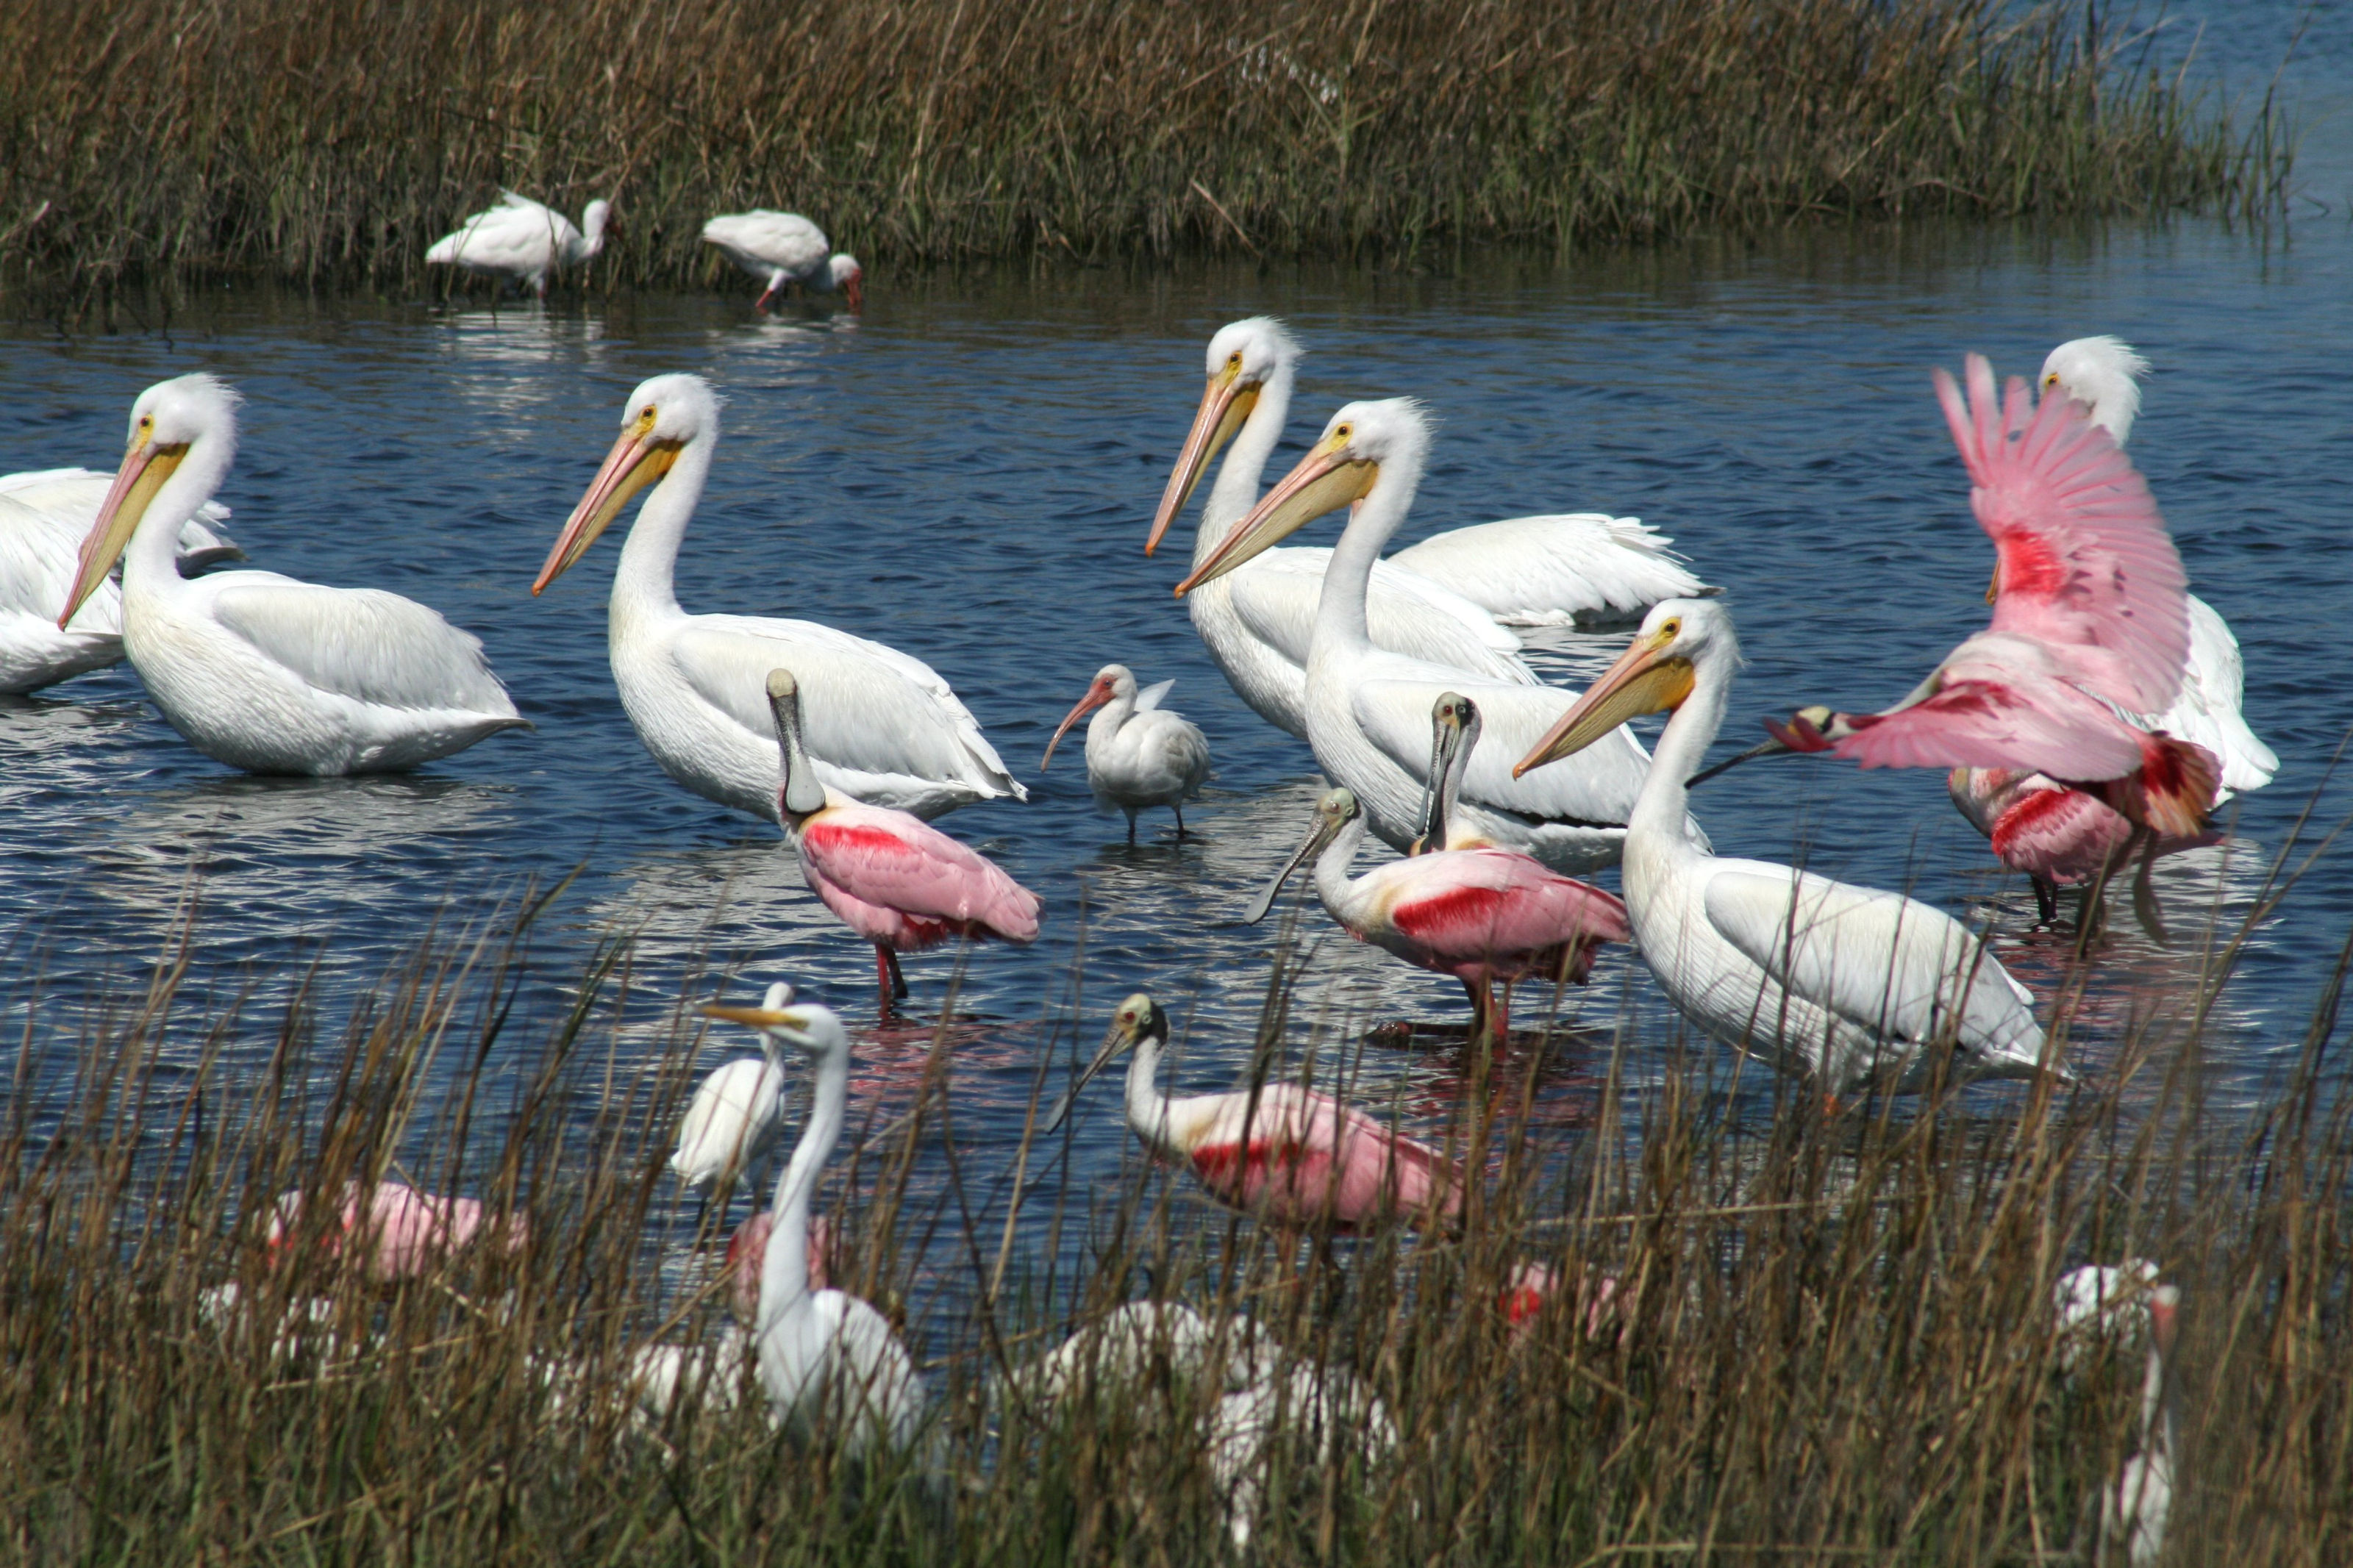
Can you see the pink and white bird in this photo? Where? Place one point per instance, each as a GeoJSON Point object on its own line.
{"type": "Point", "coordinates": [891, 876]}
{"type": "Point", "coordinates": [1139, 754]}
{"type": "Point", "coordinates": [392, 1231]}
{"type": "Point", "coordinates": [1285, 1154]}
{"type": "Point", "coordinates": [779, 249]}
{"type": "Point", "coordinates": [747, 1258]}
{"type": "Point", "coordinates": [1482, 915]}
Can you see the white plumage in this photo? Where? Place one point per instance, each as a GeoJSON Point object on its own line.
{"type": "Point", "coordinates": [522, 240]}
{"type": "Point", "coordinates": [1326, 1405]}
{"type": "Point", "coordinates": [880, 727]}
{"type": "Point", "coordinates": [779, 249]}
{"type": "Point", "coordinates": [44, 518]}
{"type": "Point", "coordinates": [262, 671]}
{"type": "Point", "coordinates": [1139, 754]}
{"type": "Point", "coordinates": [734, 1119]}
{"type": "Point", "coordinates": [1560, 569]}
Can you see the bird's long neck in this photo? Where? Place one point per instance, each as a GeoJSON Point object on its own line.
{"type": "Point", "coordinates": [1235, 489]}
{"type": "Point", "coordinates": [1109, 720]}
{"type": "Point", "coordinates": [1147, 1107]}
{"type": "Point", "coordinates": [1332, 883]}
{"type": "Point", "coordinates": [784, 1273]}
{"type": "Point", "coordinates": [151, 563]}
{"type": "Point", "coordinates": [591, 227]}
{"type": "Point", "coordinates": [1663, 808]}
{"type": "Point", "coordinates": [642, 585]}
{"type": "Point", "coordinates": [1340, 615]}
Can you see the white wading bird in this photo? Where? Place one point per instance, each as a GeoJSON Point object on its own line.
{"type": "Point", "coordinates": [1848, 984]}
{"type": "Point", "coordinates": [1368, 710]}
{"type": "Point", "coordinates": [880, 727]}
{"type": "Point", "coordinates": [785, 247]}
{"type": "Point", "coordinates": [2135, 1513]}
{"type": "Point", "coordinates": [1139, 754]}
{"type": "Point", "coordinates": [1257, 623]}
{"type": "Point", "coordinates": [523, 241]}
{"type": "Point", "coordinates": [44, 518]}
{"type": "Point", "coordinates": [260, 672]}
{"type": "Point", "coordinates": [828, 1361]}
{"type": "Point", "coordinates": [734, 1118]}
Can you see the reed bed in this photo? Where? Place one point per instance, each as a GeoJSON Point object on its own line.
{"type": "Point", "coordinates": [1828, 1334]}
{"type": "Point", "coordinates": [329, 141]}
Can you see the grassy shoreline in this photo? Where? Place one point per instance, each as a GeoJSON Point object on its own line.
{"type": "Point", "coordinates": [330, 143]}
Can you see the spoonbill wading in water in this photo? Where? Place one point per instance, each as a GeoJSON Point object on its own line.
{"type": "Point", "coordinates": [1257, 621]}
{"type": "Point", "coordinates": [1368, 710]}
{"type": "Point", "coordinates": [258, 670]}
{"type": "Point", "coordinates": [1139, 754]}
{"type": "Point", "coordinates": [523, 241]}
{"type": "Point", "coordinates": [783, 248]}
{"type": "Point", "coordinates": [1849, 985]}
{"type": "Point", "coordinates": [1285, 1154]}
{"type": "Point", "coordinates": [828, 1360]}
{"type": "Point", "coordinates": [891, 876]}
{"type": "Point", "coordinates": [880, 727]}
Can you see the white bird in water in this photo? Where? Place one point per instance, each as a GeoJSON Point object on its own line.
{"type": "Point", "coordinates": [879, 727]}
{"type": "Point", "coordinates": [523, 241]}
{"type": "Point", "coordinates": [1368, 710]}
{"type": "Point", "coordinates": [264, 672]}
{"type": "Point", "coordinates": [1139, 754]}
{"type": "Point", "coordinates": [1849, 984]}
{"type": "Point", "coordinates": [734, 1117]}
{"type": "Point", "coordinates": [44, 518]}
{"type": "Point", "coordinates": [779, 249]}
{"type": "Point", "coordinates": [828, 1361]}
{"type": "Point", "coordinates": [1258, 622]}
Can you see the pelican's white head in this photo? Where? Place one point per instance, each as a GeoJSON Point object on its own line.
{"type": "Point", "coordinates": [1112, 683]}
{"type": "Point", "coordinates": [661, 417]}
{"type": "Point", "coordinates": [1341, 468]}
{"type": "Point", "coordinates": [844, 274]}
{"type": "Point", "coordinates": [2104, 374]}
{"type": "Point", "coordinates": [166, 421]}
{"type": "Point", "coordinates": [1656, 674]}
{"type": "Point", "coordinates": [1244, 356]}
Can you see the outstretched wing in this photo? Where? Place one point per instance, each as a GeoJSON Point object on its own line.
{"type": "Point", "coordinates": [360, 642]}
{"type": "Point", "coordinates": [2016, 720]}
{"type": "Point", "coordinates": [2086, 560]}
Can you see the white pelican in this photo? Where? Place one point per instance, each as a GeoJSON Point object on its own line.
{"type": "Point", "coordinates": [260, 672]}
{"type": "Point", "coordinates": [785, 247]}
{"type": "Point", "coordinates": [1368, 710]}
{"type": "Point", "coordinates": [1139, 754]}
{"type": "Point", "coordinates": [521, 240]}
{"type": "Point", "coordinates": [1258, 622]}
{"type": "Point", "coordinates": [44, 517]}
{"type": "Point", "coordinates": [1848, 984]}
{"type": "Point", "coordinates": [880, 727]}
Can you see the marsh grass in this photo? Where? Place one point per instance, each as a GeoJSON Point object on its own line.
{"type": "Point", "coordinates": [331, 140]}
{"type": "Point", "coordinates": [1832, 1338]}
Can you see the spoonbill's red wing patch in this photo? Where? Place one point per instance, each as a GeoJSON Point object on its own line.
{"type": "Point", "coordinates": [892, 859]}
{"type": "Point", "coordinates": [1498, 902]}
{"type": "Point", "coordinates": [2060, 835]}
{"type": "Point", "coordinates": [1307, 1157]}
{"type": "Point", "coordinates": [2034, 723]}
{"type": "Point", "coordinates": [2084, 557]}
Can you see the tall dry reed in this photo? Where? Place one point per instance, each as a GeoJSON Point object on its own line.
{"type": "Point", "coordinates": [330, 141]}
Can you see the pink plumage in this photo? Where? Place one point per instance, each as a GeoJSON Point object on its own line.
{"type": "Point", "coordinates": [895, 880]}
{"type": "Point", "coordinates": [747, 1254]}
{"type": "Point", "coordinates": [1489, 914]}
{"type": "Point", "coordinates": [402, 1234]}
{"type": "Point", "coordinates": [1301, 1158]}
{"type": "Point", "coordinates": [2055, 835]}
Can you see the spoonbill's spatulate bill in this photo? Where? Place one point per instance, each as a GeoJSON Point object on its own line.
{"type": "Point", "coordinates": [523, 241]}
{"type": "Point", "coordinates": [891, 876]}
{"type": "Point", "coordinates": [260, 672]}
{"type": "Point", "coordinates": [880, 727]}
{"type": "Point", "coordinates": [1257, 621]}
{"type": "Point", "coordinates": [828, 1361]}
{"type": "Point", "coordinates": [784, 248]}
{"type": "Point", "coordinates": [1368, 710]}
{"type": "Point", "coordinates": [1850, 986]}
{"type": "Point", "coordinates": [1139, 754]}
{"type": "Point", "coordinates": [1283, 1152]}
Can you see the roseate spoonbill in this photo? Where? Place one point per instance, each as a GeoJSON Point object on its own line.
{"type": "Point", "coordinates": [747, 1260]}
{"type": "Point", "coordinates": [1287, 1153]}
{"type": "Point", "coordinates": [1139, 754]}
{"type": "Point", "coordinates": [44, 517]}
{"type": "Point", "coordinates": [260, 672]}
{"type": "Point", "coordinates": [1481, 915]}
{"type": "Point", "coordinates": [1848, 984]}
{"type": "Point", "coordinates": [882, 728]}
{"type": "Point", "coordinates": [2133, 1512]}
{"type": "Point", "coordinates": [828, 1361]}
{"type": "Point", "coordinates": [2060, 836]}
{"type": "Point", "coordinates": [1325, 1406]}
{"type": "Point", "coordinates": [892, 877]}
{"type": "Point", "coordinates": [1533, 1284]}
{"type": "Point", "coordinates": [394, 1231]}
{"type": "Point", "coordinates": [521, 241]}
{"type": "Point", "coordinates": [785, 247]}
{"type": "Point", "coordinates": [1368, 710]}
{"type": "Point", "coordinates": [1258, 622]}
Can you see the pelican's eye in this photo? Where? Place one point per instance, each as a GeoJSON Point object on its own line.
{"type": "Point", "coordinates": [1234, 360]}
{"type": "Point", "coordinates": [1673, 628]}
{"type": "Point", "coordinates": [2049, 381]}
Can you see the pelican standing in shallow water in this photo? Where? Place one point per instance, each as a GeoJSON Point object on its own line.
{"type": "Point", "coordinates": [523, 241]}
{"type": "Point", "coordinates": [828, 1360]}
{"type": "Point", "coordinates": [260, 672]}
{"type": "Point", "coordinates": [1139, 754]}
{"type": "Point", "coordinates": [1368, 710]}
{"type": "Point", "coordinates": [879, 727]}
{"type": "Point", "coordinates": [1258, 621]}
{"type": "Point", "coordinates": [779, 249]}
{"type": "Point", "coordinates": [1849, 984]}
